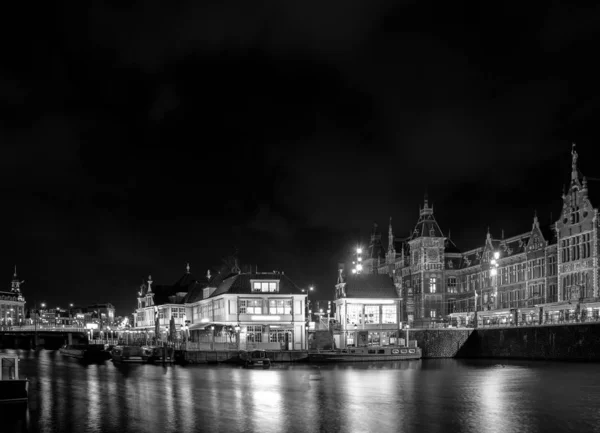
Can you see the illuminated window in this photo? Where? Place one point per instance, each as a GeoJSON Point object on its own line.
{"type": "Point", "coordinates": [372, 314]}
{"type": "Point", "coordinates": [432, 286]}
{"type": "Point", "coordinates": [432, 314]}
{"type": "Point", "coordinates": [265, 286]}
{"type": "Point", "coordinates": [389, 314]}
{"type": "Point", "coordinates": [250, 306]}
{"type": "Point", "coordinates": [353, 313]}
{"type": "Point", "coordinates": [451, 284]}
{"type": "Point", "coordinates": [278, 336]}
{"type": "Point", "coordinates": [280, 306]}
{"type": "Point", "coordinates": [254, 334]}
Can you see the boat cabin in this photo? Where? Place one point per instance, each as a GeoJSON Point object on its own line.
{"type": "Point", "coordinates": [10, 367]}
{"type": "Point", "coordinates": [12, 387]}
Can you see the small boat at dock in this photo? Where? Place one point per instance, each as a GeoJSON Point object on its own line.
{"type": "Point", "coordinates": [366, 354]}
{"type": "Point", "coordinates": [257, 358]}
{"type": "Point", "coordinates": [87, 352]}
{"type": "Point", "coordinates": [130, 354]}
{"type": "Point", "coordinates": [13, 388]}
{"type": "Point", "coordinates": [141, 354]}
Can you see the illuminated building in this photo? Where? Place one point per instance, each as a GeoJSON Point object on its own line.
{"type": "Point", "coordinates": [12, 304]}
{"type": "Point", "coordinates": [548, 274]}
{"type": "Point", "coordinates": [229, 310]}
{"type": "Point", "coordinates": [367, 310]}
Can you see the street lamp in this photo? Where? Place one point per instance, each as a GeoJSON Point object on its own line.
{"type": "Point", "coordinates": [212, 331]}
{"type": "Point", "coordinates": [358, 263]}
{"type": "Point", "coordinates": [407, 339]}
{"type": "Point", "coordinates": [355, 335]}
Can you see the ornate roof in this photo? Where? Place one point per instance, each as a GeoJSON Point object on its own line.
{"type": "Point", "coordinates": [426, 226]}
{"type": "Point", "coordinates": [241, 284]}
{"type": "Point", "coordinates": [370, 286]}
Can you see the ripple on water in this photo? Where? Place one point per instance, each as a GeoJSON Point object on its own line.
{"type": "Point", "coordinates": [428, 395]}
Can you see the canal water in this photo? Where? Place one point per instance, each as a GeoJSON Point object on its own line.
{"type": "Point", "coordinates": [412, 396]}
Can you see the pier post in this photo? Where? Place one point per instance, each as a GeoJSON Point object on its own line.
{"type": "Point", "coordinates": [70, 338]}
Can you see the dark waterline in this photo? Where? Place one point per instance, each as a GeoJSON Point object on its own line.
{"type": "Point", "coordinates": [430, 395]}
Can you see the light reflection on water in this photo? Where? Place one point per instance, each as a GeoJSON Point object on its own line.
{"type": "Point", "coordinates": [429, 395]}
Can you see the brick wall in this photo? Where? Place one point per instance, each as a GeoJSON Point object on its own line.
{"type": "Point", "coordinates": [440, 343]}
{"type": "Point", "coordinates": [560, 342]}
{"type": "Point", "coordinates": [565, 342]}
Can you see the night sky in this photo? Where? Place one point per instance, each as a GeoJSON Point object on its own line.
{"type": "Point", "coordinates": [136, 138]}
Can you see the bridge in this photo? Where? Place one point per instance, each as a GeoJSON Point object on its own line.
{"type": "Point", "coordinates": [50, 337]}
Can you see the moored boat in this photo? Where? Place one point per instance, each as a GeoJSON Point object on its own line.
{"type": "Point", "coordinates": [257, 358]}
{"type": "Point", "coordinates": [87, 352]}
{"type": "Point", "coordinates": [131, 353]}
{"type": "Point", "coordinates": [141, 354]}
{"type": "Point", "coordinates": [158, 354]}
{"type": "Point", "coordinates": [366, 354]}
{"type": "Point", "coordinates": [13, 388]}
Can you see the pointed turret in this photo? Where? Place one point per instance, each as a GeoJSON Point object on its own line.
{"type": "Point", "coordinates": [15, 285]}
{"type": "Point", "coordinates": [149, 284]}
{"type": "Point", "coordinates": [574, 171]}
{"type": "Point", "coordinates": [536, 223]}
{"type": "Point", "coordinates": [375, 249]}
{"type": "Point", "coordinates": [142, 291]}
{"type": "Point", "coordinates": [426, 225]}
{"type": "Point", "coordinates": [187, 268]}
{"type": "Point", "coordinates": [390, 236]}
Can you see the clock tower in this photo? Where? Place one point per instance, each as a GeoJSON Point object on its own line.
{"type": "Point", "coordinates": [425, 281]}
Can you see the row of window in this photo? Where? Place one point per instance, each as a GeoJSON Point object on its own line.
{"type": "Point", "coordinates": [372, 314]}
{"type": "Point", "coordinates": [275, 306]}
{"type": "Point", "coordinates": [576, 248]}
{"type": "Point", "coordinates": [264, 286]}
{"type": "Point", "coordinates": [511, 299]}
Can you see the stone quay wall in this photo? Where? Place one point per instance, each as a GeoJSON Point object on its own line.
{"type": "Point", "coordinates": [440, 343]}
{"type": "Point", "coordinates": [568, 342]}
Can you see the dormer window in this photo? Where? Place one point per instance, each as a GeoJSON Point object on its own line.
{"type": "Point", "coordinates": [265, 286]}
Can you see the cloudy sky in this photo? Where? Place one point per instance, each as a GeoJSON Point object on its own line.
{"type": "Point", "coordinates": [138, 137]}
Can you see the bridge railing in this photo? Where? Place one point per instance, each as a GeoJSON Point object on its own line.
{"type": "Point", "coordinates": [29, 328]}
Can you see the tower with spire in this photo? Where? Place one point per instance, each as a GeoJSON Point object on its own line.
{"type": "Point", "coordinates": [390, 256]}
{"type": "Point", "coordinates": [576, 231]}
{"type": "Point", "coordinates": [12, 303]}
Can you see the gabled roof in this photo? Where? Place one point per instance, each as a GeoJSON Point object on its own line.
{"type": "Point", "coordinates": [162, 294]}
{"type": "Point", "coordinates": [370, 286]}
{"type": "Point", "coordinates": [184, 282]}
{"type": "Point", "coordinates": [241, 284]}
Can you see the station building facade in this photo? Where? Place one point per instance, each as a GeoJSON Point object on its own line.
{"type": "Point", "coordinates": [546, 275]}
